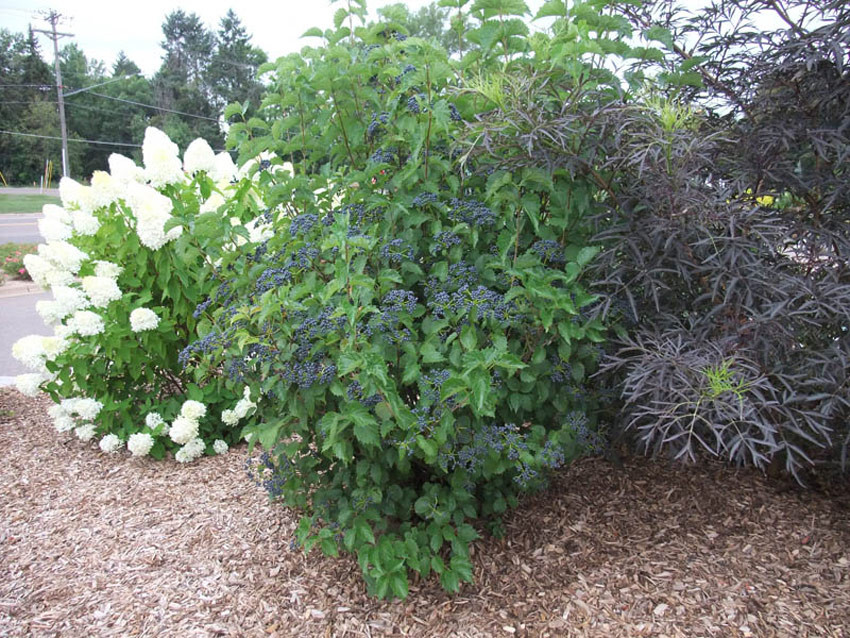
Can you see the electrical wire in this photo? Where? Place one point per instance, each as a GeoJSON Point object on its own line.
{"type": "Point", "coordinates": [70, 139]}
{"type": "Point", "coordinates": [151, 106]}
{"type": "Point", "coordinates": [73, 139]}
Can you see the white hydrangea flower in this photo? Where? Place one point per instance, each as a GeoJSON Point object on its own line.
{"type": "Point", "coordinates": [74, 195]}
{"type": "Point", "coordinates": [124, 170]}
{"type": "Point", "coordinates": [152, 210]}
{"type": "Point", "coordinates": [85, 224]}
{"type": "Point", "coordinates": [56, 223]}
{"type": "Point", "coordinates": [104, 189]}
{"type": "Point", "coordinates": [64, 423]}
{"type": "Point", "coordinates": [70, 299]}
{"type": "Point", "coordinates": [213, 203]}
{"type": "Point", "coordinates": [87, 409]}
{"type": "Point", "coordinates": [160, 157]}
{"type": "Point", "coordinates": [244, 405]}
{"type": "Point", "coordinates": [62, 255]}
{"type": "Point", "coordinates": [28, 384]}
{"type": "Point", "coordinates": [199, 156]}
{"type": "Point", "coordinates": [224, 169]}
{"type": "Point", "coordinates": [143, 319]}
{"type": "Point", "coordinates": [49, 310]}
{"type": "Point", "coordinates": [110, 443]}
{"type": "Point", "coordinates": [189, 452]}
{"type": "Point", "coordinates": [228, 417]}
{"type": "Point", "coordinates": [56, 410]}
{"type": "Point", "coordinates": [107, 269]}
{"type": "Point", "coordinates": [53, 346]}
{"type": "Point", "coordinates": [183, 430]}
{"type": "Point", "coordinates": [140, 443]}
{"type": "Point", "coordinates": [29, 351]}
{"type": "Point", "coordinates": [153, 419]}
{"type": "Point", "coordinates": [193, 410]}
{"type": "Point", "coordinates": [220, 446]}
{"type": "Point", "coordinates": [101, 290]}
{"type": "Point", "coordinates": [86, 323]}
{"type": "Point", "coordinates": [85, 432]}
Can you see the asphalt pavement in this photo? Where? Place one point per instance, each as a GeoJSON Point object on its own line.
{"type": "Point", "coordinates": [18, 318]}
{"type": "Point", "coordinates": [20, 228]}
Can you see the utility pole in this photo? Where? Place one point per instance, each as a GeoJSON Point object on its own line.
{"type": "Point", "coordinates": [53, 18]}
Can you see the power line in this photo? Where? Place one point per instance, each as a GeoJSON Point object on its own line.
{"type": "Point", "coordinates": [151, 106]}
{"type": "Point", "coordinates": [54, 137]}
{"type": "Point", "coordinates": [77, 106]}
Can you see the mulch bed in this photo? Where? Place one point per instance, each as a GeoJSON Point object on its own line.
{"type": "Point", "coordinates": [106, 545]}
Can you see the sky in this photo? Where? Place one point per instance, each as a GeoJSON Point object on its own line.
{"type": "Point", "coordinates": [102, 29]}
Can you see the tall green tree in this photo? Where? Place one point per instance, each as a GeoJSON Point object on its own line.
{"type": "Point", "coordinates": [27, 104]}
{"type": "Point", "coordinates": [232, 72]}
{"type": "Point", "coordinates": [180, 84]}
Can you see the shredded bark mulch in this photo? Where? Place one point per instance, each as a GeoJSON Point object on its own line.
{"type": "Point", "coordinates": [106, 545]}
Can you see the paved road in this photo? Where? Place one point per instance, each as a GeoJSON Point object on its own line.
{"type": "Point", "coordinates": [18, 318]}
{"type": "Point", "coordinates": [27, 190]}
{"type": "Point", "coordinates": [20, 228]}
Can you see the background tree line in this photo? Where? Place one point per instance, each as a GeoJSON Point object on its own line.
{"type": "Point", "coordinates": [202, 71]}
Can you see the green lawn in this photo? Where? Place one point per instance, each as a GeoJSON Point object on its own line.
{"type": "Point", "coordinates": [25, 203]}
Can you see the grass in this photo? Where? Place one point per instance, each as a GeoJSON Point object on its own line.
{"type": "Point", "coordinates": [25, 203]}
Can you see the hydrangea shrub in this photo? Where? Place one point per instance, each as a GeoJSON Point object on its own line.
{"type": "Point", "coordinates": [128, 259]}
{"type": "Point", "coordinates": [412, 334]}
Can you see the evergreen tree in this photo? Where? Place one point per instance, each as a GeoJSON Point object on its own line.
{"type": "Point", "coordinates": [233, 68]}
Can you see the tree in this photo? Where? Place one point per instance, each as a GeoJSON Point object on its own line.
{"type": "Point", "coordinates": [180, 83]}
{"type": "Point", "coordinates": [233, 68]}
{"type": "Point", "coordinates": [430, 22]}
{"type": "Point", "coordinates": [26, 89]}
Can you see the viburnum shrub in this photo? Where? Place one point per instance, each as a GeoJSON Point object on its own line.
{"type": "Point", "coordinates": [128, 259]}
{"type": "Point", "coordinates": [412, 333]}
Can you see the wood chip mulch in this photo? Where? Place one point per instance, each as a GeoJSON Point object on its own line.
{"type": "Point", "coordinates": [106, 545]}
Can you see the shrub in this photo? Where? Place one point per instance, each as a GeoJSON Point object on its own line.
{"type": "Point", "coordinates": [729, 257]}
{"type": "Point", "coordinates": [128, 260]}
{"type": "Point", "coordinates": [413, 332]}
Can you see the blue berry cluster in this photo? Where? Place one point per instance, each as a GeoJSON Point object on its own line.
{"type": "Point", "coordinates": [460, 274]}
{"type": "Point", "coordinates": [354, 392]}
{"type": "Point", "coordinates": [549, 251]}
{"type": "Point", "coordinates": [302, 224]}
{"type": "Point", "coordinates": [454, 114]}
{"type": "Point", "coordinates": [396, 251]}
{"type": "Point", "coordinates": [562, 372]}
{"type": "Point", "coordinates": [384, 156]}
{"type": "Point", "coordinates": [589, 440]}
{"type": "Point", "coordinates": [430, 384]}
{"type": "Point", "coordinates": [444, 240]}
{"type": "Point", "coordinates": [471, 211]}
{"type": "Point", "coordinates": [413, 105]}
{"type": "Point", "coordinates": [488, 304]}
{"type": "Point", "coordinates": [489, 439]}
{"type": "Point", "coordinates": [376, 127]}
{"type": "Point", "coordinates": [423, 199]}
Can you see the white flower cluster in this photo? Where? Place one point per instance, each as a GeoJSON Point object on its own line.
{"type": "Point", "coordinates": [140, 443]}
{"type": "Point", "coordinates": [142, 319]}
{"type": "Point", "coordinates": [192, 450]}
{"type": "Point", "coordinates": [55, 264]}
{"type": "Point", "coordinates": [240, 410]}
{"type": "Point", "coordinates": [85, 323]}
{"type": "Point", "coordinates": [152, 210]}
{"type": "Point", "coordinates": [101, 290]}
{"type": "Point", "coordinates": [199, 156]}
{"type": "Point", "coordinates": [28, 384]}
{"type": "Point", "coordinates": [110, 443]}
{"type": "Point", "coordinates": [160, 156]}
{"type": "Point", "coordinates": [86, 410]}
{"type": "Point", "coordinates": [66, 301]}
{"type": "Point", "coordinates": [56, 223]}
{"type": "Point", "coordinates": [184, 431]}
{"type": "Point", "coordinates": [35, 350]}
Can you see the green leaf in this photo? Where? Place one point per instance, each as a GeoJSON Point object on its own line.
{"type": "Point", "coordinates": [315, 32]}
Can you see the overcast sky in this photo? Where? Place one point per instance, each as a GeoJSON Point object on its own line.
{"type": "Point", "coordinates": [102, 29]}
